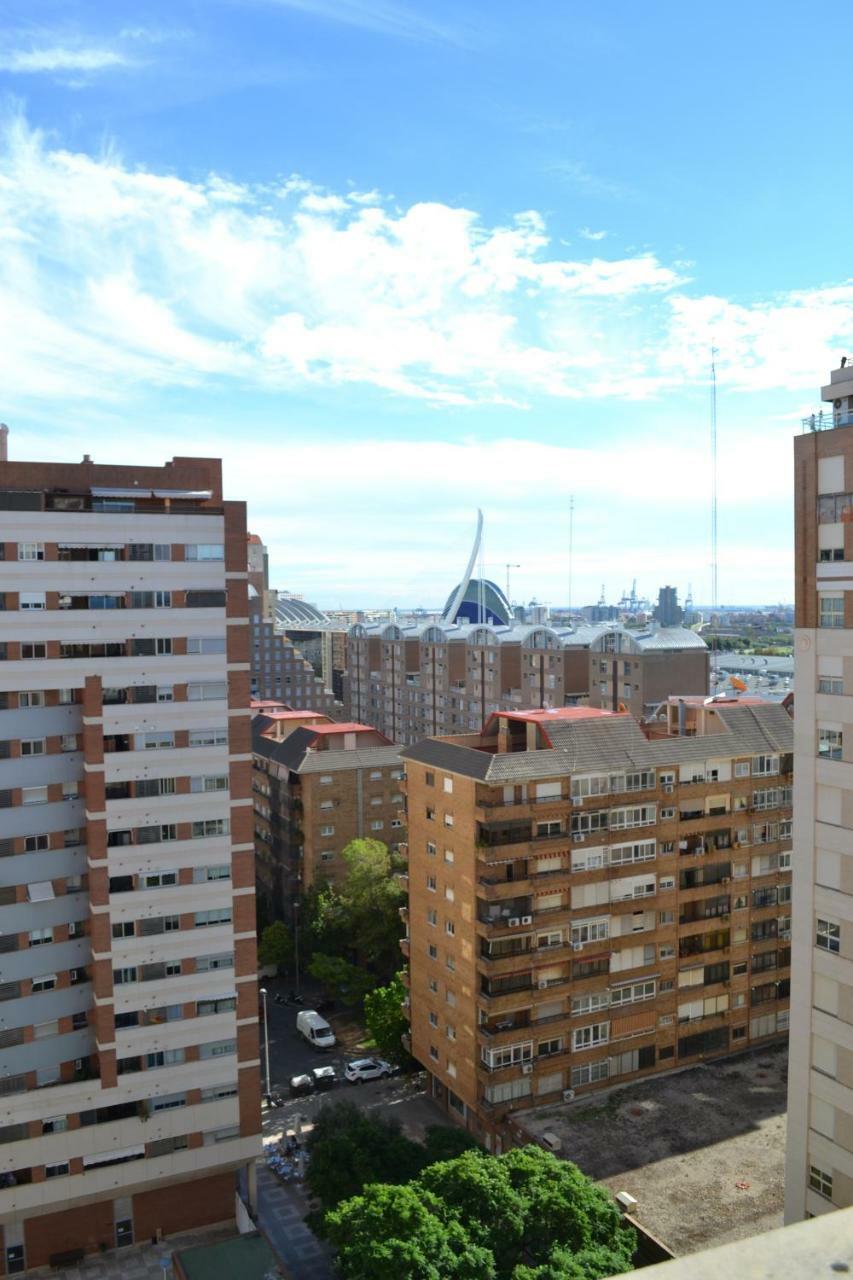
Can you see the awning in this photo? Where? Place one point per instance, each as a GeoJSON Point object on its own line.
{"type": "Point", "coordinates": [40, 891]}
{"type": "Point", "coordinates": [106, 1157]}
{"type": "Point", "coordinates": [200, 494]}
{"type": "Point", "coordinates": [134, 492]}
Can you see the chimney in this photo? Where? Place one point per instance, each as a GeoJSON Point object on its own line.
{"type": "Point", "coordinates": [4, 442]}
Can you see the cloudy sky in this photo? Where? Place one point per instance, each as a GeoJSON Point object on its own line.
{"type": "Point", "coordinates": [393, 262]}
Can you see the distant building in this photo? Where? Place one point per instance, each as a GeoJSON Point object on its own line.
{"type": "Point", "coordinates": [668, 612]}
{"type": "Point", "coordinates": [588, 904]}
{"type": "Point", "coordinates": [317, 786]}
{"type": "Point", "coordinates": [279, 670]}
{"type": "Point", "coordinates": [417, 682]}
{"type": "Point", "coordinates": [637, 670]}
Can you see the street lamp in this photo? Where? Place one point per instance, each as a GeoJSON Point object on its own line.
{"type": "Point", "coordinates": [266, 1041]}
{"type": "Point", "coordinates": [296, 943]}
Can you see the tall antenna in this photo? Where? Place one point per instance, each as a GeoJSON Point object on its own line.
{"type": "Point", "coordinates": [571, 544]}
{"type": "Point", "coordinates": [714, 601]}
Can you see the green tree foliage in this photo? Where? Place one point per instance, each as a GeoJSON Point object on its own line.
{"type": "Point", "coordinates": [349, 1149]}
{"type": "Point", "coordinates": [446, 1142]}
{"type": "Point", "coordinates": [361, 915]}
{"type": "Point", "coordinates": [401, 1233]}
{"type": "Point", "coordinates": [275, 945]}
{"type": "Point", "coordinates": [385, 1021]}
{"type": "Point", "coordinates": [340, 978]}
{"type": "Point", "coordinates": [522, 1216]}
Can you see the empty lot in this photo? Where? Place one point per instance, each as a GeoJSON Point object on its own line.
{"type": "Point", "coordinates": [702, 1151]}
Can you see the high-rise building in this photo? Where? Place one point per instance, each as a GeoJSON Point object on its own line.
{"type": "Point", "coordinates": [129, 1066]}
{"type": "Point", "coordinates": [668, 612]}
{"type": "Point", "coordinates": [819, 1172]}
{"type": "Point", "coordinates": [589, 902]}
{"type": "Point", "coordinates": [638, 670]}
{"type": "Point", "coordinates": [317, 786]}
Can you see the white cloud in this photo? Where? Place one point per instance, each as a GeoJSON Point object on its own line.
{"type": "Point", "coordinates": [587, 234]}
{"type": "Point", "coordinates": [113, 278]}
{"type": "Point", "coordinates": [383, 17]}
{"type": "Point", "coordinates": [61, 58]}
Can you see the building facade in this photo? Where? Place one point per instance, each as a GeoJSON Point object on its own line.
{"type": "Point", "coordinates": [819, 1172]}
{"type": "Point", "coordinates": [317, 786]}
{"type": "Point", "coordinates": [279, 671]}
{"type": "Point", "coordinates": [588, 904]}
{"type": "Point", "coordinates": [638, 670]}
{"type": "Point", "coordinates": [436, 678]}
{"type": "Point", "coordinates": [129, 1067]}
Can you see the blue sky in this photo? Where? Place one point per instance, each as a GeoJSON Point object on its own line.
{"type": "Point", "coordinates": [393, 262]}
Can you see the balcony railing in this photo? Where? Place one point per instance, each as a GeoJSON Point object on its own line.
{"type": "Point", "coordinates": [827, 420]}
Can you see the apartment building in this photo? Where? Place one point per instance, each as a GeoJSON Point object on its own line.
{"type": "Point", "coordinates": [429, 680]}
{"type": "Point", "coordinates": [129, 1067]}
{"type": "Point", "coordinates": [637, 670]}
{"type": "Point", "coordinates": [317, 786]}
{"type": "Point", "coordinates": [279, 671]}
{"type": "Point", "coordinates": [589, 904]}
{"type": "Point", "coordinates": [819, 1172]}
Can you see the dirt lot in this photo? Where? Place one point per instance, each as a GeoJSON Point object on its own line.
{"type": "Point", "coordinates": [702, 1151]}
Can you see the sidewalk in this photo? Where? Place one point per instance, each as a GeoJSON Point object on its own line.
{"type": "Point", "coordinates": [281, 1210]}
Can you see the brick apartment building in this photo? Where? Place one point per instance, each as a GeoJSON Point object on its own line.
{"type": "Point", "coordinates": [279, 671]}
{"type": "Point", "coordinates": [129, 1067]}
{"type": "Point", "coordinates": [438, 678]}
{"type": "Point", "coordinates": [637, 670]}
{"type": "Point", "coordinates": [588, 904]}
{"type": "Point", "coordinates": [317, 786]}
{"type": "Point", "coordinates": [819, 1173]}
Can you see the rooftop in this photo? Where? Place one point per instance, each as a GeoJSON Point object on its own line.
{"type": "Point", "coordinates": [247, 1256]}
{"type": "Point", "coordinates": [701, 1150]}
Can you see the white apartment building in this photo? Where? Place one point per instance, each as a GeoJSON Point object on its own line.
{"type": "Point", "coordinates": [129, 1066]}
{"type": "Point", "coordinates": [819, 1173]}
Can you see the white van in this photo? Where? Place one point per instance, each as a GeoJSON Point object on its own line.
{"type": "Point", "coordinates": [315, 1029]}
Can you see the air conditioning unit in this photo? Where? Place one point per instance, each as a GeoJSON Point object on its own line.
{"type": "Point", "coordinates": [527, 919]}
{"type": "Point", "coordinates": [578, 839]}
{"type": "Point", "coordinates": [568, 1095]}
{"type": "Point", "coordinates": [526, 1068]}
{"type": "Point", "coordinates": [513, 922]}
{"type": "Point", "coordinates": [543, 984]}
{"type": "Point", "coordinates": [577, 946]}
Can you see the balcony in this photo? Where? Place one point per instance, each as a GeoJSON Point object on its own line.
{"type": "Point", "coordinates": [505, 1026]}
{"type": "Point", "coordinates": [404, 947]}
{"type": "Point", "coordinates": [826, 420]}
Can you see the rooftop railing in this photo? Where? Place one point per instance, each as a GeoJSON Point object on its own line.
{"type": "Point", "coordinates": [827, 420]}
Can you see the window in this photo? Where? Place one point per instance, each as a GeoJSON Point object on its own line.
{"type": "Point", "coordinates": [377, 824]}
{"type": "Point", "coordinates": [205, 644]}
{"type": "Point", "coordinates": [448, 784]}
{"type": "Point", "coordinates": [216, 915]}
{"type": "Point", "coordinates": [820, 1182]}
{"type": "Point", "coordinates": [433, 952]}
{"type": "Point", "coordinates": [45, 982]}
{"type": "Point", "coordinates": [38, 937]}
{"type": "Point", "coordinates": [449, 927]}
{"type": "Point", "coordinates": [765, 766]}
{"type": "Point", "coordinates": [590, 1073]}
{"type": "Point", "coordinates": [742, 769]}
{"type": "Point", "coordinates": [31, 600]}
{"type": "Point", "coordinates": [589, 1037]}
{"type": "Point", "coordinates": [430, 848]}
{"type": "Point", "coordinates": [546, 1048]}
{"type": "Point", "coordinates": [327, 830]}
{"type": "Point", "coordinates": [32, 698]}
{"type": "Point", "coordinates": [32, 746]}
{"type": "Point", "coordinates": [827, 935]}
{"type": "Point", "coordinates": [215, 827]}
{"type": "Point", "coordinates": [831, 611]}
{"type": "Point", "coordinates": [34, 650]}
{"type": "Point", "coordinates": [829, 743]}
{"type": "Point", "coordinates": [826, 684]}
{"type": "Point", "coordinates": [209, 782]}
{"type": "Point", "coordinates": [591, 930]}
{"type": "Point", "coordinates": [204, 551]}
{"type": "Point", "coordinates": [433, 1019]}
{"type": "Point", "coordinates": [30, 550]}
{"type": "Point", "coordinates": [210, 738]}
{"type": "Point", "coordinates": [36, 844]}
{"type": "Point", "coordinates": [56, 1170]}
{"type": "Point", "coordinates": [326, 779]}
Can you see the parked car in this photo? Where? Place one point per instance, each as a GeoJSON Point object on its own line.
{"type": "Point", "coordinates": [300, 1085]}
{"type": "Point", "coordinates": [324, 1078]}
{"type": "Point", "coordinates": [367, 1069]}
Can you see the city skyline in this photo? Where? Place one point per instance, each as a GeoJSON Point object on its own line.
{"type": "Point", "coordinates": [421, 262]}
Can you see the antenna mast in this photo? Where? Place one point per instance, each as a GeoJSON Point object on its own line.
{"type": "Point", "coordinates": [571, 544]}
{"type": "Point", "coordinates": [714, 601]}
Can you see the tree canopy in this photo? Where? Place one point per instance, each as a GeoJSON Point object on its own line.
{"type": "Point", "coordinates": [386, 1021]}
{"type": "Point", "coordinates": [525, 1215]}
{"type": "Point", "coordinates": [340, 978]}
{"type": "Point", "coordinates": [275, 945]}
{"type": "Point", "coordinates": [360, 916]}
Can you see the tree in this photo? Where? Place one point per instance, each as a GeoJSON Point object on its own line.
{"type": "Point", "coordinates": [275, 946]}
{"type": "Point", "coordinates": [524, 1215]}
{"type": "Point", "coordinates": [361, 915]}
{"type": "Point", "coordinates": [385, 1020]}
{"type": "Point", "coordinates": [349, 1149]}
{"type": "Point", "coordinates": [402, 1233]}
{"type": "Point", "coordinates": [446, 1142]}
{"type": "Point", "coordinates": [340, 978]}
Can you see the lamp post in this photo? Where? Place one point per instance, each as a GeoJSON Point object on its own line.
{"type": "Point", "coordinates": [266, 1041]}
{"type": "Point", "coordinates": [296, 943]}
